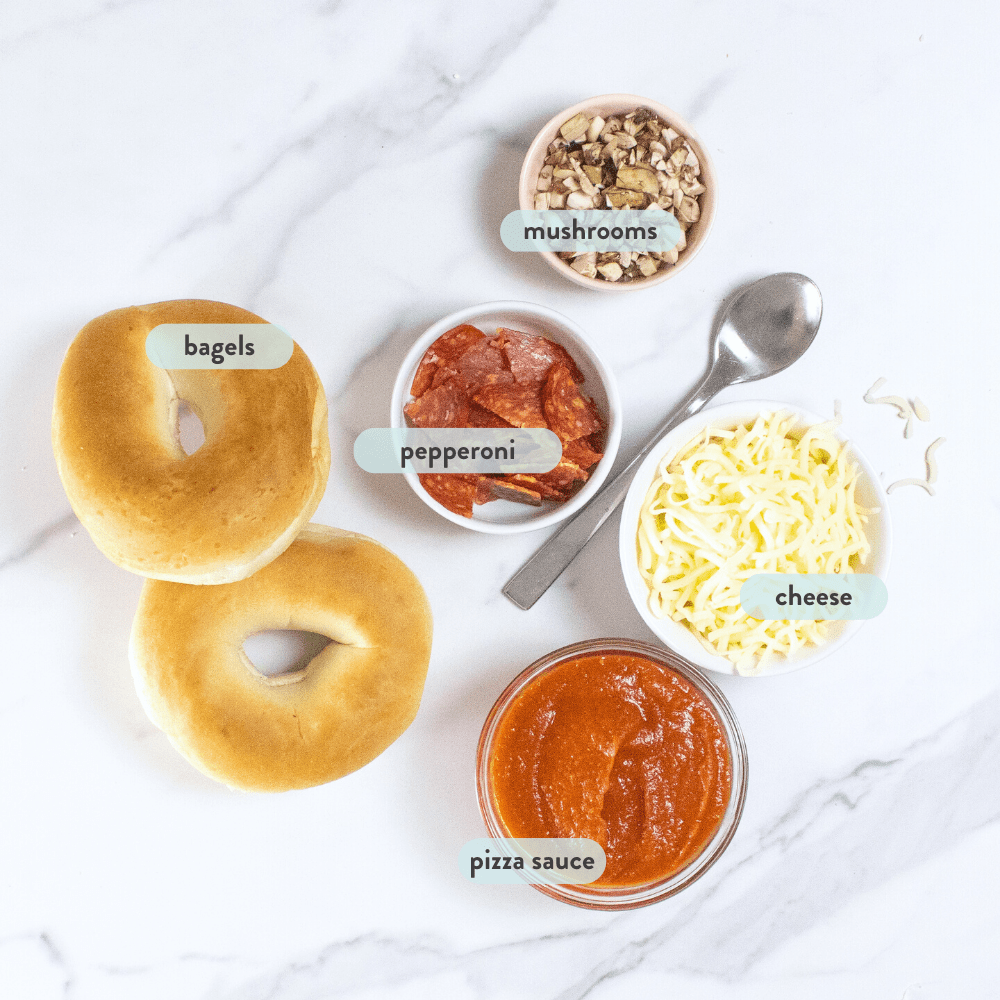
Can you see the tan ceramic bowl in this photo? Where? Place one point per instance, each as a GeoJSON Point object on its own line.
{"type": "Point", "coordinates": [605, 106]}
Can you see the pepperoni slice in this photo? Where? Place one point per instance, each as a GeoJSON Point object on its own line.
{"type": "Point", "coordinates": [570, 414]}
{"type": "Point", "coordinates": [457, 492]}
{"type": "Point", "coordinates": [519, 405]}
{"type": "Point", "coordinates": [478, 366]}
{"type": "Point", "coordinates": [479, 416]}
{"type": "Point", "coordinates": [445, 406]}
{"type": "Point", "coordinates": [484, 491]}
{"type": "Point", "coordinates": [530, 357]}
{"type": "Point", "coordinates": [534, 484]}
{"type": "Point", "coordinates": [508, 490]}
{"type": "Point", "coordinates": [563, 476]}
{"type": "Point", "coordinates": [448, 347]}
{"type": "Point", "coordinates": [580, 453]}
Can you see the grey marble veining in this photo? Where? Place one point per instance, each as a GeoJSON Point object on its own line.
{"type": "Point", "coordinates": [844, 836]}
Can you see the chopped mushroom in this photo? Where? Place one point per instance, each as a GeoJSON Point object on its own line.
{"type": "Point", "coordinates": [575, 128]}
{"type": "Point", "coordinates": [629, 161]}
{"type": "Point", "coordinates": [586, 264]}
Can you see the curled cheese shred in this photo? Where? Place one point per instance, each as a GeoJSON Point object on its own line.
{"type": "Point", "coordinates": [761, 498]}
{"type": "Point", "coordinates": [931, 461]}
{"type": "Point", "coordinates": [922, 483]}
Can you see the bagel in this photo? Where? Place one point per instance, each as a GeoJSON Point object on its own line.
{"type": "Point", "coordinates": [271, 734]}
{"type": "Point", "coordinates": [216, 515]}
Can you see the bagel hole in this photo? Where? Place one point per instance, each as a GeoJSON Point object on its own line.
{"type": "Point", "coordinates": [283, 652]}
{"type": "Point", "coordinates": [190, 430]}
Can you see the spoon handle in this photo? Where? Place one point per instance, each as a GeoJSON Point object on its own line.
{"type": "Point", "coordinates": [542, 569]}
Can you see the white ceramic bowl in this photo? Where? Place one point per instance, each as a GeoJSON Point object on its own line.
{"type": "Point", "coordinates": [504, 516]}
{"type": "Point", "coordinates": [869, 493]}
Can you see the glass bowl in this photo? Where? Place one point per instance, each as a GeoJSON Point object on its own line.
{"type": "Point", "coordinates": [617, 897]}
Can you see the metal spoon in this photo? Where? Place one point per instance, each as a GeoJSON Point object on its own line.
{"type": "Point", "coordinates": [765, 327]}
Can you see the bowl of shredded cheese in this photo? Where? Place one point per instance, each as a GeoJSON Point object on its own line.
{"type": "Point", "coordinates": [743, 488]}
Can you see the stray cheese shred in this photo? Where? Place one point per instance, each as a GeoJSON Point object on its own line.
{"type": "Point", "coordinates": [763, 498]}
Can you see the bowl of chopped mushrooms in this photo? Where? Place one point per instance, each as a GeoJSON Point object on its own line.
{"type": "Point", "coordinates": [620, 151]}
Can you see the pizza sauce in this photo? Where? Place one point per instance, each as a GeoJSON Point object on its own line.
{"type": "Point", "coordinates": [620, 749]}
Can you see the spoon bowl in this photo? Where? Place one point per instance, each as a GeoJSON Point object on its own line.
{"type": "Point", "coordinates": [768, 324]}
{"type": "Point", "coordinates": [762, 329]}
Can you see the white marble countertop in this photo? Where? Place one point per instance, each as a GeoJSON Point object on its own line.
{"type": "Point", "coordinates": [253, 153]}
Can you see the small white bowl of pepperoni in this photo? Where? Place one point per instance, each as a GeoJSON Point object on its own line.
{"type": "Point", "coordinates": [511, 364]}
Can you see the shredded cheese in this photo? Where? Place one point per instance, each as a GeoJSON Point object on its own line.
{"type": "Point", "coordinates": [762, 498]}
{"type": "Point", "coordinates": [903, 409]}
{"type": "Point", "coordinates": [922, 483]}
{"type": "Point", "coordinates": [931, 461]}
{"type": "Point", "coordinates": [875, 388]}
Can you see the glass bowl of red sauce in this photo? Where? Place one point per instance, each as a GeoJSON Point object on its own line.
{"type": "Point", "coordinates": [625, 743]}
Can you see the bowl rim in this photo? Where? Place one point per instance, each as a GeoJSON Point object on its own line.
{"type": "Point", "coordinates": [526, 188]}
{"type": "Point", "coordinates": [541, 315]}
{"type": "Point", "coordinates": [634, 897]}
{"type": "Point", "coordinates": [676, 636]}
